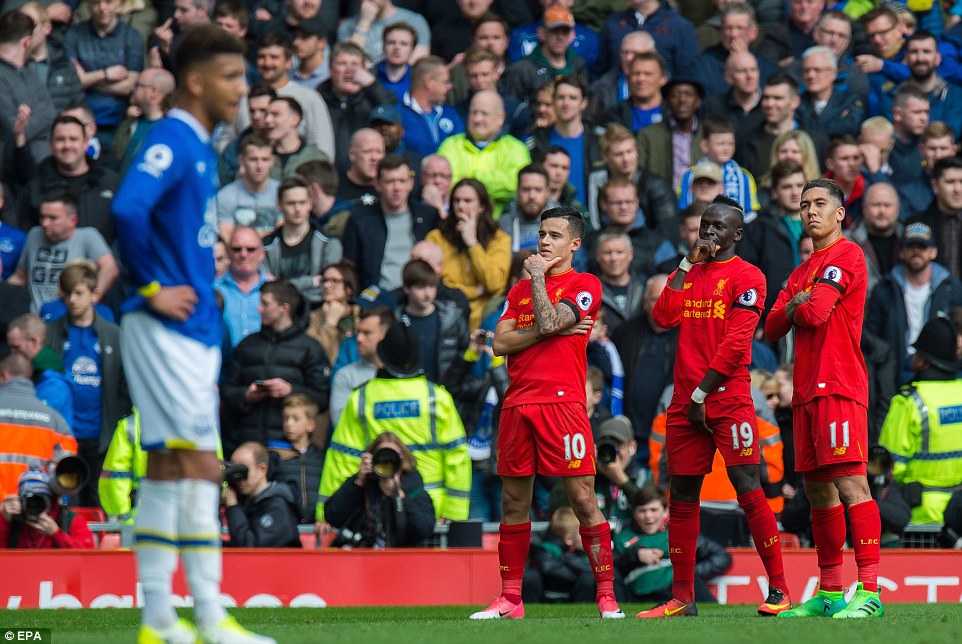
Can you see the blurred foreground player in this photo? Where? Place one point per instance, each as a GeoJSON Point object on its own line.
{"type": "Point", "coordinates": [544, 425]}
{"type": "Point", "coordinates": [171, 340]}
{"type": "Point", "coordinates": [716, 298]}
{"type": "Point", "coordinates": [824, 303]}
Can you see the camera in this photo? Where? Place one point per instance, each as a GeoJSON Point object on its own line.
{"type": "Point", "coordinates": [386, 462]}
{"type": "Point", "coordinates": [235, 473]}
{"type": "Point", "coordinates": [608, 450]}
{"type": "Point", "coordinates": [33, 504]}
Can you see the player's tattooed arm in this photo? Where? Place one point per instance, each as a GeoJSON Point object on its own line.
{"type": "Point", "coordinates": [508, 339]}
{"type": "Point", "coordinates": [551, 319]}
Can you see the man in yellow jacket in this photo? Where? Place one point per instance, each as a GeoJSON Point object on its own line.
{"type": "Point", "coordinates": [421, 413]}
{"type": "Point", "coordinates": [124, 465]}
{"type": "Point", "coordinates": [923, 428]}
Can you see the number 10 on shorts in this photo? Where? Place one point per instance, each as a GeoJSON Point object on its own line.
{"type": "Point", "coordinates": [833, 431]}
{"type": "Point", "coordinates": [574, 445]}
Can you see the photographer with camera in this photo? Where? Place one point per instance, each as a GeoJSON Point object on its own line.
{"type": "Point", "coordinates": [260, 513]}
{"type": "Point", "coordinates": [619, 476]}
{"type": "Point", "coordinates": [35, 519]}
{"type": "Point", "coordinates": [384, 505]}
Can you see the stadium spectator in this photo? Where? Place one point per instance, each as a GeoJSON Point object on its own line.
{"type": "Point", "coordinates": [522, 219]}
{"type": "Point", "coordinates": [427, 119]}
{"type": "Point", "coordinates": [674, 36]}
{"type": "Point", "coordinates": [356, 185]}
{"type": "Point", "coordinates": [385, 504]}
{"type": "Point", "coordinates": [283, 118]}
{"type": "Point", "coordinates": [298, 460]}
{"type": "Point", "coordinates": [434, 255]}
{"type": "Point", "coordinates": [423, 418]}
{"type": "Point", "coordinates": [485, 153]}
{"type": "Point", "coordinates": [879, 231]}
{"type": "Point", "coordinates": [680, 131]}
{"type": "Point", "coordinates": [45, 430]}
{"type": "Point", "coordinates": [483, 69]}
{"type": "Point", "coordinates": [741, 104]}
{"type": "Point", "coordinates": [274, 61]}
{"type": "Point", "coordinates": [557, 163]}
{"type": "Point", "coordinates": [89, 348]}
{"type": "Point", "coordinates": [394, 71]}
{"type": "Point", "coordinates": [286, 19]}
{"type": "Point", "coordinates": [490, 32]}
{"type": "Point", "coordinates": [570, 132]}
{"type": "Point", "coordinates": [844, 162]}
{"type": "Point", "coordinates": [69, 168]}
{"type": "Point", "coordinates": [926, 445]}
{"type": "Point", "coordinates": [386, 119]}
{"type": "Point", "coordinates": [886, 33]}
{"type": "Point", "coordinates": [336, 317]}
{"type": "Point", "coordinates": [151, 92]}
{"type": "Point", "coordinates": [259, 99]}
{"type": "Point", "coordinates": [379, 237]}
{"type": "Point", "coordinates": [326, 212]}
{"type": "Point", "coordinates": [936, 142]}
{"type": "Point", "coordinates": [558, 569]}
{"type": "Point", "coordinates": [824, 106]}
{"type": "Point", "coordinates": [372, 325]}
{"type": "Point", "coordinates": [23, 91]}
{"type": "Point", "coordinates": [834, 30]}
{"type": "Point", "coordinates": [14, 302]}
{"type": "Point", "coordinates": [251, 199]}
{"type": "Point", "coordinates": [298, 251]}
{"type": "Point", "coordinates": [109, 56]}
{"type": "Point", "coordinates": [917, 289]}
{"type": "Point", "coordinates": [876, 139]}
{"type": "Point", "coordinates": [910, 117]}
{"type": "Point", "coordinates": [477, 254]}
{"type": "Point", "coordinates": [451, 24]}
{"type": "Point", "coordinates": [621, 289]}
{"type": "Point", "coordinates": [738, 35]}
{"type": "Point", "coordinates": [797, 146]}
{"type": "Point", "coordinates": [260, 513]}
{"type": "Point", "coordinates": [436, 182]}
{"type": "Point", "coordinates": [780, 98]}
{"type": "Point", "coordinates": [784, 43]}
{"type": "Point", "coordinates": [49, 62]}
{"type": "Point", "coordinates": [619, 476]}
{"type": "Point", "coordinates": [524, 38]}
{"type": "Point", "coordinates": [310, 48]}
{"type": "Point", "coordinates": [367, 29]}
{"type": "Point", "coordinates": [241, 285]}
{"type": "Point", "coordinates": [718, 147]}
{"type": "Point", "coordinates": [553, 58]}
{"type": "Point", "coordinates": [611, 88]}
{"type": "Point", "coordinates": [184, 13]}
{"type": "Point", "coordinates": [54, 526]}
{"type": "Point", "coordinates": [125, 464]}
{"type": "Point", "coordinates": [645, 78]}
{"type": "Point", "coordinates": [944, 215]}
{"type": "Point", "coordinates": [57, 241]}
{"type": "Point", "coordinates": [350, 94]}
{"type": "Point", "coordinates": [271, 364]}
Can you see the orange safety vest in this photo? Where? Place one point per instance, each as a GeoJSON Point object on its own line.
{"type": "Point", "coordinates": [716, 486]}
{"type": "Point", "coordinates": [26, 446]}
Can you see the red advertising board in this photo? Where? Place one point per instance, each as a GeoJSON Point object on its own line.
{"type": "Point", "coordinates": [103, 579]}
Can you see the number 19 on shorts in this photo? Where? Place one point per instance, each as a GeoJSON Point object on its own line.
{"type": "Point", "coordinates": [574, 446]}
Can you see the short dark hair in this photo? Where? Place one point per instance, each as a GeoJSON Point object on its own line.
{"type": "Point", "coordinates": [552, 149]}
{"type": "Point", "coordinates": [199, 44]}
{"type": "Point", "coordinates": [784, 169]}
{"type": "Point", "coordinates": [386, 317]}
{"type": "Point", "coordinates": [418, 272]}
{"type": "Point", "coordinates": [948, 163]}
{"type": "Point", "coordinates": [232, 9]}
{"type": "Point", "coordinates": [836, 143]}
{"type": "Point", "coordinates": [533, 168]}
{"type": "Point", "coordinates": [576, 220]}
{"type": "Point", "coordinates": [922, 34]}
{"type": "Point", "coordinates": [649, 56]}
{"type": "Point", "coordinates": [400, 26]}
{"type": "Point", "coordinates": [572, 80]}
{"type": "Point", "coordinates": [66, 197]}
{"type": "Point", "coordinates": [320, 172]}
{"type": "Point", "coordinates": [717, 125]}
{"type": "Point", "coordinates": [834, 191]}
{"type": "Point", "coordinates": [66, 119]}
{"type": "Point", "coordinates": [276, 39]}
{"type": "Point", "coordinates": [646, 494]}
{"type": "Point", "coordinates": [261, 89]}
{"type": "Point", "coordinates": [729, 206]}
{"type": "Point", "coordinates": [781, 78]}
{"type": "Point", "coordinates": [256, 139]}
{"type": "Point", "coordinates": [291, 183]}
{"type": "Point", "coordinates": [15, 26]}
{"type": "Point", "coordinates": [348, 273]}
{"type": "Point", "coordinates": [292, 103]}
{"type": "Point", "coordinates": [349, 48]}
{"type": "Point", "coordinates": [392, 162]}
{"type": "Point", "coordinates": [490, 16]}
{"type": "Point", "coordinates": [283, 292]}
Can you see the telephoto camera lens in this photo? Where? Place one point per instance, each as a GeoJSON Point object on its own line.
{"type": "Point", "coordinates": [33, 505]}
{"type": "Point", "coordinates": [607, 452]}
{"type": "Point", "coordinates": [235, 474]}
{"type": "Point", "coordinates": [386, 462]}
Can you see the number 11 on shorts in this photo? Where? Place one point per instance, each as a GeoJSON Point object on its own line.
{"type": "Point", "coordinates": [833, 430]}
{"type": "Point", "coordinates": [574, 445]}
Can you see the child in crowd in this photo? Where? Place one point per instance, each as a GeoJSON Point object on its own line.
{"type": "Point", "coordinates": [595, 390]}
{"type": "Point", "coordinates": [718, 146]}
{"type": "Point", "coordinates": [298, 461]}
{"type": "Point", "coordinates": [558, 569]}
{"type": "Point", "coordinates": [90, 349]}
{"type": "Point", "coordinates": [642, 565]}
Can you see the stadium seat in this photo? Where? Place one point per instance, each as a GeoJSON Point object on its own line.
{"type": "Point", "coordinates": [90, 515]}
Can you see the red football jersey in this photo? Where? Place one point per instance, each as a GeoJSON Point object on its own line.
{"type": "Point", "coordinates": [553, 370]}
{"type": "Point", "coordinates": [718, 311]}
{"type": "Point", "coordinates": [828, 327]}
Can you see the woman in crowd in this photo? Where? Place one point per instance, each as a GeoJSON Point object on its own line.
{"type": "Point", "coordinates": [477, 254]}
{"type": "Point", "coordinates": [797, 146]}
{"type": "Point", "coordinates": [335, 319]}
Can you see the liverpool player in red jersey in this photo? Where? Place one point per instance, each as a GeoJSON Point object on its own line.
{"type": "Point", "coordinates": [544, 419]}
{"type": "Point", "coordinates": [824, 303]}
{"type": "Point", "coordinates": [716, 298]}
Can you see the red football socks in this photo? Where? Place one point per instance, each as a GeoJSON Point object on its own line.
{"type": "Point", "coordinates": [764, 529]}
{"type": "Point", "coordinates": [866, 533]}
{"type": "Point", "coordinates": [828, 531]}
{"type": "Point", "coordinates": [512, 551]}
{"type": "Point", "coordinates": [596, 541]}
{"type": "Point", "coordinates": [683, 525]}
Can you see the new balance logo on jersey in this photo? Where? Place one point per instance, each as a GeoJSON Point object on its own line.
{"type": "Point", "coordinates": [839, 451]}
{"type": "Point", "coordinates": [575, 464]}
{"type": "Point", "coordinates": [746, 452]}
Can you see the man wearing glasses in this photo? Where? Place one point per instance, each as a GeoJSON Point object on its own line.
{"type": "Point", "coordinates": [241, 285]}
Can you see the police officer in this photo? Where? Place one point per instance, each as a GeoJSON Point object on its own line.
{"type": "Point", "coordinates": [923, 428]}
{"type": "Point", "coordinates": [401, 400]}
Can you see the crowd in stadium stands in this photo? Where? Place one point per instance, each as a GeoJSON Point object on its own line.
{"type": "Point", "coordinates": [385, 176]}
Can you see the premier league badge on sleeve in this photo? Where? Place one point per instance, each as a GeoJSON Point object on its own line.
{"type": "Point", "coordinates": [584, 300]}
{"type": "Point", "coordinates": [748, 298]}
{"type": "Point", "coordinates": [832, 274]}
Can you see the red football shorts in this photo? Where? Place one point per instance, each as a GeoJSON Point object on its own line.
{"type": "Point", "coordinates": [691, 450]}
{"type": "Point", "coordinates": [829, 430]}
{"type": "Point", "coordinates": [552, 439]}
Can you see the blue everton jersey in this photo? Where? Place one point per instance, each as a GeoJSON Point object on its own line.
{"type": "Point", "coordinates": [166, 223]}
